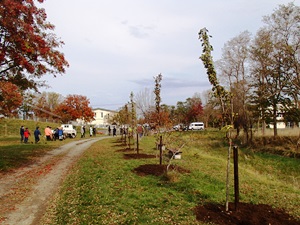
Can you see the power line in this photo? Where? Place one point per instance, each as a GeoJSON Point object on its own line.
{"type": "Point", "coordinates": [45, 111]}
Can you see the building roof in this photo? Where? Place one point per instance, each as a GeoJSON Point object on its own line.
{"type": "Point", "coordinates": [107, 110]}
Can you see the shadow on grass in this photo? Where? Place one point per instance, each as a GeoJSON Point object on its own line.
{"type": "Point", "coordinates": [16, 156]}
{"type": "Point", "coordinates": [138, 156]}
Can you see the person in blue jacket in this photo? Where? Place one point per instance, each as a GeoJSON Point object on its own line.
{"type": "Point", "coordinates": [37, 134]}
{"type": "Point", "coordinates": [60, 134]}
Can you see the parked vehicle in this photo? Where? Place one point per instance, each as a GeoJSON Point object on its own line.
{"type": "Point", "coordinates": [178, 127]}
{"type": "Point", "coordinates": [181, 127]}
{"type": "Point", "coordinates": [196, 126]}
{"type": "Point", "coordinates": [69, 130]}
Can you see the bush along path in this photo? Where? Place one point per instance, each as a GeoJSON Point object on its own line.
{"type": "Point", "coordinates": [24, 193]}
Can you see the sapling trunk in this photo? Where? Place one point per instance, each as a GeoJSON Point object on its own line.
{"type": "Point", "coordinates": [227, 174]}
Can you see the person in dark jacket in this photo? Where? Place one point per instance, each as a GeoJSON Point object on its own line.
{"type": "Point", "coordinates": [114, 131]}
{"type": "Point", "coordinates": [22, 133]}
{"type": "Point", "coordinates": [37, 134]}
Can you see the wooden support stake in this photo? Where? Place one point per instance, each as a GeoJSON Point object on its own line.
{"type": "Point", "coordinates": [236, 176]}
{"type": "Point", "coordinates": [160, 150]}
{"type": "Point", "coordinates": [137, 143]}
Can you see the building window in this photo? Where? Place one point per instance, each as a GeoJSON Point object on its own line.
{"type": "Point", "coordinates": [101, 114]}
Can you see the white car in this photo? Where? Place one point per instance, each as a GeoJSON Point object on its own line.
{"type": "Point", "coordinates": [196, 126]}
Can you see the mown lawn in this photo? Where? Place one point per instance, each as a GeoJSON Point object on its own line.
{"type": "Point", "coordinates": [104, 189]}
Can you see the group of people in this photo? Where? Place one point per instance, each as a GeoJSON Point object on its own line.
{"type": "Point", "coordinates": [127, 131]}
{"type": "Point", "coordinates": [114, 131]}
{"type": "Point", "coordinates": [49, 134]}
{"type": "Point", "coordinates": [92, 131]}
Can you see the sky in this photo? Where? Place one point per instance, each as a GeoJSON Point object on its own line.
{"type": "Point", "coordinates": [117, 47]}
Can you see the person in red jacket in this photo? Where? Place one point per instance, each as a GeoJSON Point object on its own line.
{"type": "Point", "coordinates": [26, 135]}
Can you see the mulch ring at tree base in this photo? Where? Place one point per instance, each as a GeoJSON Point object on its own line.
{"type": "Point", "coordinates": [247, 214]}
{"type": "Point", "coordinates": [138, 156]}
{"type": "Point", "coordinates": [157, 169]}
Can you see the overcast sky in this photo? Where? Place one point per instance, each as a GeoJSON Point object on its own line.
{"type": "Point", "coordinates": [116, 47]}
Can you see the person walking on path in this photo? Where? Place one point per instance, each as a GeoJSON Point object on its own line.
{"type": "Point", "coordinates": [109, 130]}
{"type": "Point", "coordinates": [37, 134]}
{"type": "Point", "coordinates": [26, 135]}
{"type": "Point", "coordinates": [83, 128]}
{"type": "Point", "coordinates": [22, 133]}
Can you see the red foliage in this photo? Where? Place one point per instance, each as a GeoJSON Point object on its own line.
{"type": "Point", "coordinates": [75, 107]}
{"type": "Point", "coordinates": [26, 45]}
{"type": "Point", "coordinates": [11, 98]}
{"type": "Point", "coordinates": [194, 109]}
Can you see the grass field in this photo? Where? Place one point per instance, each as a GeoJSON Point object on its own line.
{"type": "Point", "coordinates": [104, 189]}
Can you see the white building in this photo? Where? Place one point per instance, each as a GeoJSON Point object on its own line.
{"type": "Point", "coordinates": [279, 118]}
{"type": "Point", "coordinates": [103, 117]}
{"type": "Point", "coordinates": [280, 122]}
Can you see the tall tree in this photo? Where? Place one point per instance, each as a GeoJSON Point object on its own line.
{"type": "Point", "coordinates": [144, 102]}
{"type": "Point", "coordinates": [284, 27]}
{"type": "Point", "coordinates": [218, 90]}
{"type": "Point", "coordinates": [28, 49]}
{"type": "Point", "coordinates": [75, 107]}
{"type": "Point", "coordinates": [10, 99]}
{"type": "Point", "coordinates": [233, 69]}
{"type": "Point", "coordinates": [275, 54]}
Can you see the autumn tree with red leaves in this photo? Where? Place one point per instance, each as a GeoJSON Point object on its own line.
{"type": "Point", "coordinates": [75, 107]}
{"type": "Point", "coordinates": [194, 109]}
{"type": "Point", "coordinates": [28, 49]}
{"type": "Point", "coordinates": [10, 98]}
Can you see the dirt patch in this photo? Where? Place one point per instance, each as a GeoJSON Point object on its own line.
{"type": "Point", "coordinates": [247, 214]}
{"type": "Point", "coordinates": [157, 170]}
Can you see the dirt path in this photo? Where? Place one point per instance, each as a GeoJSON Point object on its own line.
{"type": "Point", "coordinates": [24, 193]}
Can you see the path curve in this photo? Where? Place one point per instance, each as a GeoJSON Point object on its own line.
{"type": "Point", "coordinates": [32, 208]}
